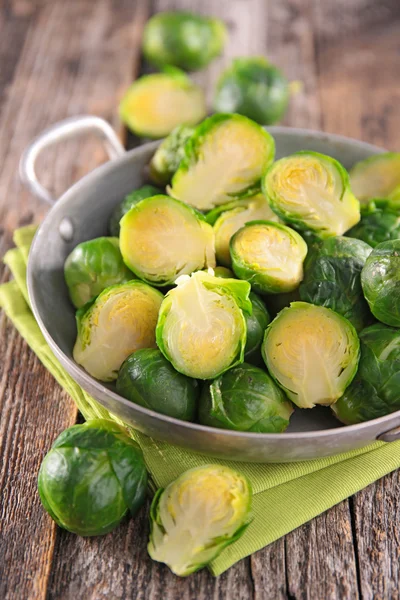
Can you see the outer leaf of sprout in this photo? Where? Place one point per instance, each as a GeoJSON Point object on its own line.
{"type": "Point", "coordinates": [169, 154]}
{"type": "Point", "coordinates": [380, 222]}
{"type": "Point", "coordinates": [376, 177]}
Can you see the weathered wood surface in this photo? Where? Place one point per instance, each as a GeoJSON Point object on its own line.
{"type": "Point", "coordinates": [63, 58]}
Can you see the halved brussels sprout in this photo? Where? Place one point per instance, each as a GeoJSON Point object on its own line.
{"type": "Point", "coordinates": [224, 159]}
{"type": "Point", "coordinates": [92, 476]}
{"type": "Point", "coordinates": [120, 321]}
{"type": "Point", "coordinates": [146, 191]}
{"type": "Point", "coordinates": [380, 221]}
{"type": "Point", "coordinates": [169, 154]}
{"type": "Point", "coordinates": [268, 255]}
{"type": "Point", "coordinates": [375, 390]}
{"type": "Point", "coordinates": [312, 352]}
{"type": "Point", "coordinates": [92, 267]}
{"type": "Point", "coordinates": [376, 176]}
{"type": "Point", "coordinates": [197, 516]}
{"type": "Point", "coordinates": [332, 272]}
{"type": "Point", "coordinates": [162, 238]}
{"type": "Point", "coordinates": [312, 191]}
{"type": "Point", "coordinates": [256, 324]}
{"type": "Point", "coordinates": [183, 39]}
{"type": "Point", "coordinates": [380, 280]}
{"type": "Point", "coordinates": [155, 104]}
{"type": "Point", "coordinates": [149, 379]}
{"type": "Point", "coordinates": [201, 328]}
{"type": "Point", "coordinates": [232, 217]}
{"type": "Point", "coordinates": [224, 272]}
{"type": "Point", "coordinates": [245, 398]}
{"type": "Point", "coordinates": [253, 87]}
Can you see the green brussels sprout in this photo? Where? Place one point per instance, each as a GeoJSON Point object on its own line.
{"type": "Point", "coordinates": [245, 398]}
{"type": "Point", "coordinates": [92, 476]}
{"type": "Point", "coordinates": [380, 221]}
{"type": "Point", "coordinates": [155, 104]}
{"type": "Point", "coordinates": [223, 160]}
{"type": "Point", "coordinates": [92, 267]}
{"type": "Point", "coordinates": [197, 516]}
{"type": "Point", "coordinates": [162, 238]}
{"type": "Point", "coordinates": [332, 272]}
{"type": "Point", "coordinates": [256, 324]}
{"type": "Point", "coordinates": [121, 320]}
{"type": "Point", "coordinates": [253, 87]}
{"type": "Point", "coordinates": [276, 302]}
{"type": "Point", "coordinates": [183, 39]}
{"type": "Point", "coordinates": [268, 255]}
{"type": "Point", "coordinates": [312, 191]}
{"type": "Point", "coordinates": [223, 272]}
{"type": "Point", "coordinates": [201, 328]}
{"type": "Point", "coordinates": [232, 217]}
{"type": "Point", "coordinates": [169, 154]}
{"type": "Point", "coordinates": [146, 191]}
{"type": "Point", "coordinates": [312, 352]}
{"type": "Point", "coordinates": [394, 198]}
{"type": "Point", "coordinates": [380, 280]}
{"type": "Point", "coordinates": [149, 379]}
{"type": "Point", "coordinates": [376, 176]}
{"type": "Point", "coordinates": [375, 390]}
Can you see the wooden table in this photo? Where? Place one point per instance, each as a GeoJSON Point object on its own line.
{"type": "Point", "coordinates": [61, 58]}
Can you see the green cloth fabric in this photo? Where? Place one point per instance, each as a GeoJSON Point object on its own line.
{"type": "Point", "coordinates": [285, 495]}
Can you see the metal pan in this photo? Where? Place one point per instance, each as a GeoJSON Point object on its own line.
{"type": "Point", "coordinates": [81, 214]}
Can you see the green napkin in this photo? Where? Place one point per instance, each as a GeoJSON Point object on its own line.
{"type": "Point", "coordinates": [285, 495]}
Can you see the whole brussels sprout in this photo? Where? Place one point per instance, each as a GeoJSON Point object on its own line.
{"type": "Point", "coordinates": [183, 39]}
{"type": "Point", "coordinates": [146, 191]}
{"type": "Point", "coordinates": [231, 217]}
{"type": "Point", "coordinates": [312, 352]}
{"type": "Point", "coordinates": [201, 329]}
{"type": "Point", "coordinates": [380, 222]}
{"type": "Point", "coordinates": [276, 302]}
{"type": "Point", "coordinates": [92, 267]}
{"type": "Point", "coordinates": [155, 104]}
{"type": "Point", "coordinates": [169, 154]}
{"type": "Point", "coordinates": [253, 87]}
{"type": "Point", "coordinates": [256, 324]}
{"type": "Point", "coordinates": [269, 256]}
{"type": "Point", "coordinates": [376, 177]}
{"type": "Point", "coordinates": [224, 159]}
{"type": "Point", "coordinates": [332, 272]}
{"type": "Point", "coordinates": [312, 191]}
{"type": "Point", "coordinates": [380, 280]}
{"type": "Point", "coordinates": [197, 516]}
{"type": "Point", "coordinates": [375, 390]}
{"type": "Point", "coordinates": [120, 321]}
{"type": "Point", "coordinates": [245, 398]}
{"type": "Point", "coordinates": [149, 379]}
{"type": "Point", "coordinates": [162, 238]}
{"type": "Point", "coordinates": [92, 476]}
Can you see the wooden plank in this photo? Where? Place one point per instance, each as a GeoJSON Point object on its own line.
{"type": "Point", "coordinates": [70, 58]}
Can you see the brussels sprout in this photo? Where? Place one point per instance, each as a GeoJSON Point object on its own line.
{"type": "Point", "coordinates": [120, 321]}
{"type": "Point", "coordinates": [268, 255]}
{"type": "Point", "coordinates": [169, 154]}
{"type": "Point", "coordinates": [380, 280]}
{"type": "Point", "coordinates": [245, 398]}
{"type": "Point", "coordinates": [312, 191]}
{"type": "Point", "coordinates": [394, 198]}
{"type": "Point", "coordinates": [256, 324]}
{"type": "Point", "coordinates": [223, 272]}
{"type": "Point", "coordinates": [276, 302]}
{"type": "Point", "coordinates": [224, 159]}
{"type": "Point", "coordinates": [197, 516]}
{"type": "Point", "coordinates": [155, 104]}
{"type": "Point", "coordinates": [148, 379]}
{"type": "Point", "coordinates": [312, 352]}
{"type": "Point", "coordinates": [375, 390]}
{"type": "Point", "coordinates": [183, 39]}
{"type": "Point", "coordinates": [253, 87]}
{"type": "Point", "coordinates": [130, 200]}
{"type": "Point", "coordinates": [162, 238]}
{"type": "Point", "coordinates": [232, 217]}
{"type": "Point", "coordinates": [92, 267]}
{"type": "Point", "coordinates": [201, 329]}
{"type": "Point", "coordinates": [332, 272]}
{"type": "Point", "coordinates": [376, 176]}
{"type": "Point", "coordinates": [92, 476]}
{"type": "Point", "coordinates": [380, 222]}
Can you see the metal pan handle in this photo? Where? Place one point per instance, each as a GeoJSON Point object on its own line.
{"type": "Point", "coordinates": [69, 128]}
{"type": "Point", "coordinates": [393, 435]}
